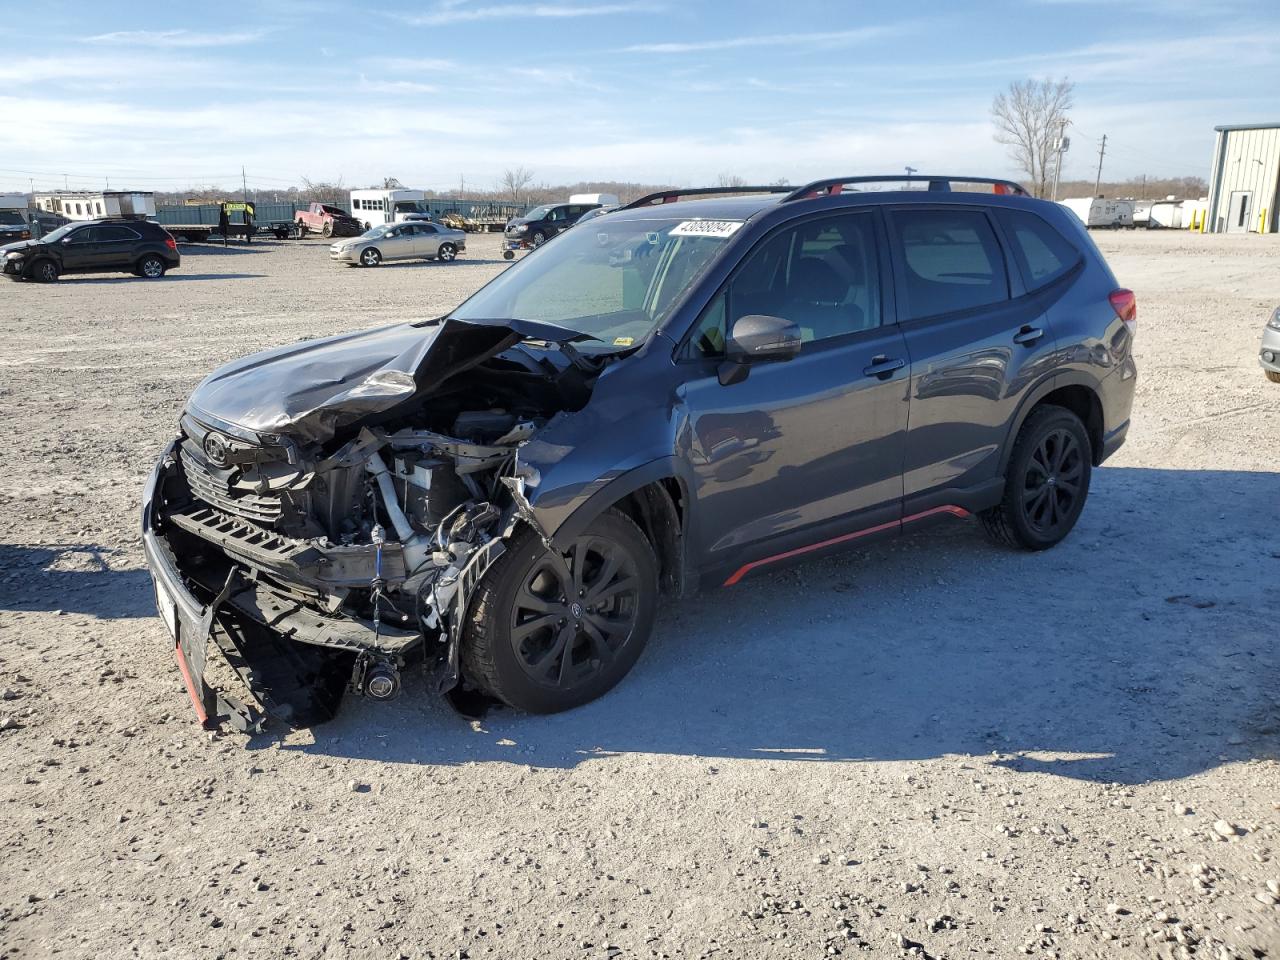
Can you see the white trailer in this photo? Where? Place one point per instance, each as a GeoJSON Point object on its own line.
{"type": "Point", "coordinates": [91, 204]}
{"type": "Point", "coordinates": [603, 199]}
{"type": "Point", "coordinates": [374, 207]}
{"type": "Point", "coordinates": [1101, 212]}
{"type": "Point", "coordinates": [1166, 214]}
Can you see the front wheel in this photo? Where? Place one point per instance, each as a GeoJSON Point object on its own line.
{"type": "Point", "coordinates": [1046, 483]}
{"type": "Point", "coordinates": [327, 230]}
{"type": "Point", "coordinates": [46, 271]}
{"type": "Point", "coordinates": [549, 631]}
{"type": "Point", "coordinates": [538, 239]}
{"type": "Point", "coordinates": [1272, 376]}
{"type": "Point", "coordinates": [371, 257]}
{"type": "Point", "coordinates": [447, 252]}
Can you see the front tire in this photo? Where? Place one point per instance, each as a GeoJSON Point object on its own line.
{"type": "Point", "coordinates": [1046, 483]}
{"type": "Point", "coordinates": [538, 239]}
{"type": "Point", "coordinates": [548, 632]}
{"type": "Point", "coordinates": [1272, 376]}
{"type": "Point", "coordinates": [447, 252]}
{"type": "Point", "coordinates": [46, 271]}
{"type": "Point", "coordinates": [370, 258]}
{"type": "Point", "coordinates": [327, 230]}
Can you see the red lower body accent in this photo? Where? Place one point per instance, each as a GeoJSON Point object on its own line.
{"type": "Point", "coordinates": [844, 538]}
{"type": "Point", "coordinates": [197, 701]}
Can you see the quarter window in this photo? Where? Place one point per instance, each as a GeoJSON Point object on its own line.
{"type": "Point", "coordinates": [951, 261]}
{"type": "Point", "coordinates": [1042, 253]}
{"type": "Point", "coordinates": [822, 275]}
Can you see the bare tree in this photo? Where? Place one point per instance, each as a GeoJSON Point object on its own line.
{"type": "Point", "coordinates": [1028, 117]}
{"type": "Point", "coordinates": [514, 181]}
{"type": "Point", "coordinates": [730, 180]}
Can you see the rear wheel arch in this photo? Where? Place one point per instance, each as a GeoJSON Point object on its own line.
{"type": "Point", "coordinates": [1077, 394]}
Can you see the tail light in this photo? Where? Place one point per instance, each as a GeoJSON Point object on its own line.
{"type": "Point", "coordinates": [171, 243]}
{"type": "Point", "coordinates": [1125, 305]}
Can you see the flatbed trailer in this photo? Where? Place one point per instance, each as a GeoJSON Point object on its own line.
{"type": "Point", "coordinates": [196, 224]}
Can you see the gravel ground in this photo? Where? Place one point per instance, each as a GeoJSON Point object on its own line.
{"type": "Point", "coordinates": [932, 746]}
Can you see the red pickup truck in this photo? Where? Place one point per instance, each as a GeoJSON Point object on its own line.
{"type": "Point", "coordinates": [327, 221]}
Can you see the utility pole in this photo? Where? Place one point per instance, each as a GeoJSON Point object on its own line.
{"type": "Point", "coordinates": [244, 184]}
{"type": "Point", "coordinates": [1144, 187]}
{"type": "Point", "coordinates": [1102, 152]}
{"type": "Point", "coordinates": [1061, 147]}
{"type": "Point", "coordinates": [65, 184]}
{"type": "Point", "coordinates": [910, 170]}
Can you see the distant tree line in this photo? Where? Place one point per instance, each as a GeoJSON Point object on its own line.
{"type": "Point", "coordinates": [1138, 188]}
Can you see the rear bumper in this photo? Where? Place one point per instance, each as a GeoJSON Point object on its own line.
{"type": "Point", "coordinates": [1270, 346]}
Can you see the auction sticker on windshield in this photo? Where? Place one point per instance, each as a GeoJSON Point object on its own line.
{"type": "Point", "coordinates": [707, 228]}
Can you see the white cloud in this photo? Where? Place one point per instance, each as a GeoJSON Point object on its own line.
{"type": "Point", "coordinates": [826, 38]}
{"type": "Point", "coordinates": [174, 38]}
{"type": "Point", "coordinates": [457, 13]}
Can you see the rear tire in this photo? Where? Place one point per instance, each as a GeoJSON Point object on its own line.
{"type": "Point", "coordinates": [1046, 483]}
{"type": "Point", "coordinates": [1272, 376]}
{"type": "Point", "coordinates": [546, 632]}
{"type": "Point", "coordinates": [151, 267]}
{"type": "Point", "coordinates": [45, 271]}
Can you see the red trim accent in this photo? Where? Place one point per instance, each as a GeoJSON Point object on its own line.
{"type": "Point", "coordinates": [748, 567]}
{"type": "Point", "coordinates": [196, 700]}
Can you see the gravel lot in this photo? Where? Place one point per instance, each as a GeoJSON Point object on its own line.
{"type": "Point", "coordinates": [931, 746]}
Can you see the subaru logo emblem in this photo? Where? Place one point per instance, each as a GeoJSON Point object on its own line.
{"type": "Point", "coordinates": [216, 448]}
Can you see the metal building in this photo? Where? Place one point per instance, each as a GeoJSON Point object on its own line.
{"type": "Point", "coordinates": [1244, 186]}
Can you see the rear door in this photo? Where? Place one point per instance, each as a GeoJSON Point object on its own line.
{"type": "Point", "coordinates": [976, 343]}
{"type": "Point", "coordinates": [117, 246]}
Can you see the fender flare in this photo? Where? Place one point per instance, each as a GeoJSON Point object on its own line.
{"type": "Point", "coordinates": [664, 468]}
{"type": "Point", "coordinates": [1052, 382]}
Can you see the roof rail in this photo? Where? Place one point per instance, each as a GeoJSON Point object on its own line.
{"type": "Point", "coordinates": [671, 196]}
{"type": "Point", "coordinates": [833, 185]}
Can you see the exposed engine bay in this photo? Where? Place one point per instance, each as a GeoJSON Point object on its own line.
{"type": "Point", "coordinates": [336, 554]}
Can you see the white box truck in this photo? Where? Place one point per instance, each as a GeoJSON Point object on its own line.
{"type": "Point", "coordinates": [1100, 212]}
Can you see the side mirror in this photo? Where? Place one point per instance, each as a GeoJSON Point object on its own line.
{"type": "Point", "coordinates": [756, 338]}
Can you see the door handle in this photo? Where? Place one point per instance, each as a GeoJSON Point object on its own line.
{"type": "Point", "coordinates": [1028, 335]}
{"type": "Point", "coordinates": [883, 367]}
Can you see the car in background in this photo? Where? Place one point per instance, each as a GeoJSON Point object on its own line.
{"type": "Point", "coordinates": [597, 212]}
{"type": "Point", "coordinates": [541, 224]}
{"type": "Point", "coordinates": [1269, 356]}
{"type": "Point", "coordinates": [44, 222]}
{"type": "Point", "coordinates": [413, 240]}
{"type": "Point", "coordinates": [13, 226]}
{"type": "Point", "coordinates": [140, 247]}
{"type": "Point", "coordinates": [327, 221]}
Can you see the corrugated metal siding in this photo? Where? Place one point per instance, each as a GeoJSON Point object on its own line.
{"type": "Point", "coordinates": [1247, 160]}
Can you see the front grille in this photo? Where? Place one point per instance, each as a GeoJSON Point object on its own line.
{"type": "Point", "coordinates": [207, 485]}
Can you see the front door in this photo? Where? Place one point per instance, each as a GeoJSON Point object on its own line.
{"type": "Point", "coordinates": [1239, 210]}
{"type": "Point", "coordinates": [80, 250]}
{"type": "Point", "coordinates": [806, 451]}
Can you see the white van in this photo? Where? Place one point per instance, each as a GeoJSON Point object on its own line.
{"type": "Point", "coordinates": [374, 207]}
{"type": "Point", "coordinates": [601, 199]}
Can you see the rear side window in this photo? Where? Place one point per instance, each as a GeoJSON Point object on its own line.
{"type": "Point", "coordinates": [1042, 253]}
{"type": "Point", "coordinates": [112, 234]}
{"type": "Point", "coordinates": [950, 260]}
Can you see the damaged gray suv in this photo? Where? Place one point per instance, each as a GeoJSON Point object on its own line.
{"type": "Point", "coordinates": [679, 395]}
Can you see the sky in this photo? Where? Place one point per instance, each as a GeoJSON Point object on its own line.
{"type": "Point", "coordinates": [442, 92]}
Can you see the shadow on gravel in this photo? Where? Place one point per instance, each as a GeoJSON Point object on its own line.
{"type": "Point", "coordinates": [1142, 648]}
{"type": "Point", "coordinates": [73, 578]}
{"type": "Point", "coordinates": [168, 278]}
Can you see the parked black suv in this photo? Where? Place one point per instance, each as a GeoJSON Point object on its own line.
{"type": "Point", "coordinates": [695, 391]}
{"type": "Point", "coordinates": [541, 224]}
{"type": "Point", "coordinates": [132, 246]}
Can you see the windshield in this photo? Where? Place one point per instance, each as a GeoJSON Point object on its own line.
{"type": "Point", "coordinates": [614, 279]}
{"type": "Point", "coordinates": [537, 213]}
{"type": "Point", "coordinates": [12, 217]}
{"type": "Point", "coordinates": [379, 230]}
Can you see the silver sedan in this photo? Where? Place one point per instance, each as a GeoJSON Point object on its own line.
{"type": "Point", "coordinates": [417, 240]}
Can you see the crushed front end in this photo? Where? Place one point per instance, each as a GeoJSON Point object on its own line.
{"type": "Point", "coordinates": [294, 566]}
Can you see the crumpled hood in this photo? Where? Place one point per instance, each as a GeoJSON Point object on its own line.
{"type": "Point", "coordinates": [310, 390]}
{"type": "Point", "coordinates": [20, 245]}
